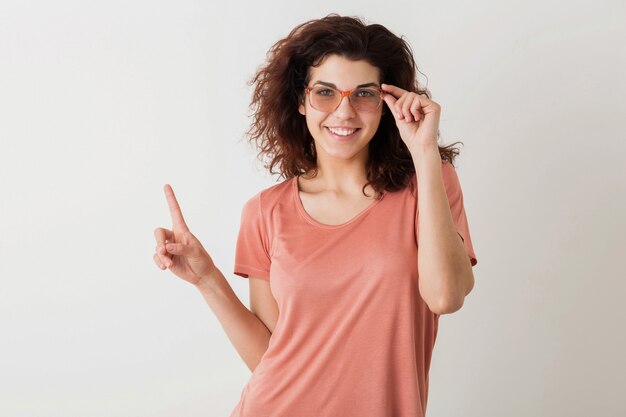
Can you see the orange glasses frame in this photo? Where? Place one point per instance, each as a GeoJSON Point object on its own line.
{"type": "Point", "coordinates": [346, 93]}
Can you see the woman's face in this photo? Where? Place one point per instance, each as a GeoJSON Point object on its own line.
{"type": "Point", "coordinates": [345, 75]}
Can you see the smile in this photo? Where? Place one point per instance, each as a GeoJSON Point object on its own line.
{"type": "Point", "coordinates": [342, 133]}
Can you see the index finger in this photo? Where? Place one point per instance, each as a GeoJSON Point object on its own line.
{"type": "Point", "coordinates": [392, 90]}
{"type": "Point", "coordinates": [177, 215]}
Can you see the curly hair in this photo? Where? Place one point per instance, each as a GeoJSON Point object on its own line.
{"type": "Point", "coordinates": [280, 131]}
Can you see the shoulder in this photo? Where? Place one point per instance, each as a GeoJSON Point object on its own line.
{"type": "Point", "coordinates": [450, 176]}
{"type": "Point", "coordinates": [264, 200]}
{"type": "Point", "coordinates": [446, 166]}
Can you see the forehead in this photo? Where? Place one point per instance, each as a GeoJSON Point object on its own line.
{"type": "Point", "coordinates": [345, 73]}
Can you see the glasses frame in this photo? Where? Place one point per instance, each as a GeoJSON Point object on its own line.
{"type": "Point", "coordinates": [346, 93]}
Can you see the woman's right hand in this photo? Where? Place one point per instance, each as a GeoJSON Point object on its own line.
{"type": "Point", "coordinates": [179, 250]}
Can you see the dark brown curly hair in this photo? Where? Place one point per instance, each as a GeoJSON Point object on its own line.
{"type": "Point", "coordinates": [281, 132]}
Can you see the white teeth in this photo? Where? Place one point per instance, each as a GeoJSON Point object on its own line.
{"type": "Point", "coordinates": [342, 132]}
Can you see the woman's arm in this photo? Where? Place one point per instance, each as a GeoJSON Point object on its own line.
{"type": "Point", "coordinates": [244, 329]}
{"type": "Point", "coordinates": [445, 271]}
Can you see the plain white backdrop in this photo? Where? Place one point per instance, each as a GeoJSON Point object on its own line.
{"type": "Point", "coordinates": [102, 103]}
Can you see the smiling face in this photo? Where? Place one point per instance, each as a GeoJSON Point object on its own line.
{"type": "Point", "coordinates": [345, 75]}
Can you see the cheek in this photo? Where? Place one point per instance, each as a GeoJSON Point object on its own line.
{"type": "Point", "coordinates": [310, 121]}
{"type": "Point", "coordinates": [374, 123]}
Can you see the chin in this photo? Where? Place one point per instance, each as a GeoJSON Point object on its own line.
{"type": "Point", "coordinates": [344, 151]}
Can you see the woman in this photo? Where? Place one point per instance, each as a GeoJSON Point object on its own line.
{"type": "Point", "coordinates": [344, 308]}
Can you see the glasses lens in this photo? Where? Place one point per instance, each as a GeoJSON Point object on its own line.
{"type": "Point", "coordinates": [324, 98]}
{"type": "Point", "coordinates": [327, 99]}
{"type": "Point", "coordinates": [365, 99]}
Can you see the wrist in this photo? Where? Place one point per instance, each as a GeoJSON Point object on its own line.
{"type": "Point", "coordinates": [429, 152]}
{"type": "Point", "coordinates": [208, 280]}
{"type": "Point", "coordinates": [423, 147]}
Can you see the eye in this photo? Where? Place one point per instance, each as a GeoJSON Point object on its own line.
{"type": "Point", "coordinates": [324, 92]}
{"type": "Point", "coordinates": [365, 93]}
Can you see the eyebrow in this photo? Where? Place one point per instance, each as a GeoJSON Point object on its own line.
{"type": "Point", "coordinates": [358, 86]}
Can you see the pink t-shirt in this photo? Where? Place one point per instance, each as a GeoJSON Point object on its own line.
{"type": "Point", "coordinates": [354, 338]}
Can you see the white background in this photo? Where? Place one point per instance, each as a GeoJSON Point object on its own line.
{"type": "Point", "coordinates": [102, 103]}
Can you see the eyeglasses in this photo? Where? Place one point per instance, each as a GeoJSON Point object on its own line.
{"type": "Point", "coordinates": [327, 99]}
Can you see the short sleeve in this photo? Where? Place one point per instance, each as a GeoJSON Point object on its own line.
{"type": "Point", "coordinates": [252, 253]}
{"type": "Point", "coordinates": [455, 198]}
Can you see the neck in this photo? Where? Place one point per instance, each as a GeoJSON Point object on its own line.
{"type": "Point", "coordinates": [345, 176]}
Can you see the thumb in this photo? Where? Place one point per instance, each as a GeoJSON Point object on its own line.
{"type": "Point", "coordinates": [391, 101]}
{"type": "Point", "coordinates": [180, 249]}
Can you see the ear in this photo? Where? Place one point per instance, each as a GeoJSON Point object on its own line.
{"type": "Point", "coordinates": [302, 98]}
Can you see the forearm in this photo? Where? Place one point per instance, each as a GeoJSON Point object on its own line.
{"type": "Point", "coordinates": [245, 330]}
{"type": "Point", "coordinates": [444, 269]}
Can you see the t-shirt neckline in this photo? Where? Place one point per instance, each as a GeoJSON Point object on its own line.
{"type": "Point", "coordinates": [311, 220]}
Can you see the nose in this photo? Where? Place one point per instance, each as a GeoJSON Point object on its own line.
{"type": "Point", "coordinates": [345, 109]}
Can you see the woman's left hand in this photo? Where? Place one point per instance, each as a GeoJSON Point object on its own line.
{"type": "Point", "coordinates": [417, 116]}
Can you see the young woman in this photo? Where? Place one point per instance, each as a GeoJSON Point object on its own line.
{"type": "Point", "coordinates": [344, 307]}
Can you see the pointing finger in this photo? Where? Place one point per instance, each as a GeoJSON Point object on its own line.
{"type": "Point", "coordinates": [177, 215]}
{"type": "Point", "coordinates": [392, 89]}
